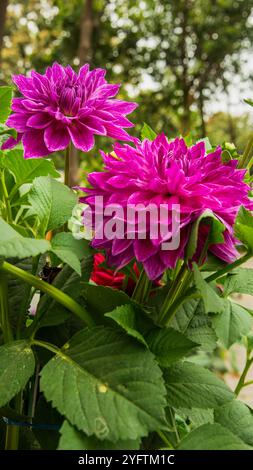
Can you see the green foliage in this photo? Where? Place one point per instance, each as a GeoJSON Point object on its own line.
{"type": "Point", "coordinates": [189, 385]}
{"type": "Point", "coordinates": [240, 281]}
{"type": "Point", "coordinates": [72, 439]}
{"type": "Point", "coordinates": [169, 345]}
{"type": "Point", "coordinates": [12, 244]}
{"type": "Point", "coordinates": [234, 322]}
{"type": "Point", "coordinates": [16, 367]}
{"type": "Point", "coordinates": [51, 202]}
{"type": "Point", "coordinates": [238, 418]}
{"type": "Point", "coordinates": [125, 317]}
{"type": "Point", "coordinates": [214, 236]}
{"type": "Point", "coordinates": [212, 302]}
{"type": "Point", "coordinates": [5, 102]}
{"type": "Point", "coordinates": [243, 228]}
{"type": "Point", "coordinates": [69, 250]}
{"type": "Point", "coordinates": [212, 437]}
{"type": "Point", "coordinates": [112, 386]}
{"type": "Point", "coordinates": [147, 132]}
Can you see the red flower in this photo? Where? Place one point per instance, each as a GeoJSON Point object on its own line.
{"type": "Point", "coordinates": [110, 278]}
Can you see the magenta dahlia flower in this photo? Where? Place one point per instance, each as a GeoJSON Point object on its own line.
{"type": "Point", "coordinates": [162, 172]}
{"type": "Point", "coordinates": [62, 106]}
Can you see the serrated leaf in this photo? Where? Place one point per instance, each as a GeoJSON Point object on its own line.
{"type": "Point", "coordinates": [214, 236]}
{"type": "Point", "coordinates": [234, 322]}
{"type": "Point", "coordinates": [240, 281]}
{"type": "Point", "coordinates": [13, 245]}
{"type": "Point", "coordinates": [72, 439]}
{"type": "Point", "coordinates": [197, 416]}
{"type": "Point", "coordinates": [192, 386]}
{"type": "Point", "coordinates": [212, 437]}
{"type": "Point", "coordinates": [106, 384]}
{"type": "Point", "coordinates": [147, 132]}
{"type": "Point", "coordinates": [212, 302]}
{"type": "Point", "coordinates": [125, 317]}
{"type": "Point", "coordinates": [25, 170]}
{"type": "Point", "coordinates": [192, 321]}
{"type": "Point", "coordinates": [69, 250]}
{"type": "Point", "coordinates": [238, 418]}
{"type": "Point", "coordinates": [168, 345]}
{"type": "Point", "coordinates": [100, 300]}
{"type": "Point", "coordinates": [5, 102]}
{"type": "Point", "coordinates": [16, 367]}
{"type": "Point", "coordinates": [243, 227]}
{"type": "Point", "coordinates": [52, 202]}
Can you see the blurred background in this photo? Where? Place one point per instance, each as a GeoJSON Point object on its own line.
{"type": "Point", "coordinates": [188, 63]}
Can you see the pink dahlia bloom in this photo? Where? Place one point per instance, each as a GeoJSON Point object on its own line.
{"type": "Point", "coordinates": [62, 106]}
{"type": "Point", "coordinates": [162, 172]}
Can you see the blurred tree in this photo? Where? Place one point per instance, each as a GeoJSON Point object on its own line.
{"type": "Point", "coordinates": [222, 127]}
{"type": "Point", "coordinates": [170, 56]}
{"type": "Point", "coordinates": [3, 9]}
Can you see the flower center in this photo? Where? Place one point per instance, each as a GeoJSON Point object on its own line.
{"type": "Point", "coordinates": [67, 100]}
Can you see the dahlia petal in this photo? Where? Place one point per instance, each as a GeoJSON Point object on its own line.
{"type": "Point", "coordinates": [154, 267]}
{"type": "Point", "coordinates": [39, 120]}
{"type": "Point", "coordinates": [17, 121]}
{"type": "Point", "coordinates": [11, 142]}
{"type": "Point", "coordinates": [116, 132]}
{"type": "Point", "coordinates": [56, 137]}
{"type": "Point", "coordinates": [122, 107]}
{"type": "Point", "coordinates": [34, 145]}
{"type": "Point", "coordinates": [81, 137]}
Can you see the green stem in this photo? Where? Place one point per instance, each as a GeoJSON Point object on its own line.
{"type": "Point", "coordinates": [12, 432]}
{"type": "Point", "coordinates": [52, 291]}
{"type": "Point", "coordinates": [241, 382]}
{"type": "Point", "coordinates": [67, 165]}
{"type": "Point", "coordinates": [142, 288]}
{"type": "Point", "coordinates": [245, 158]}
{"type": "Point", "coordinates": [4, 309]}
{"type": "Point", "coordinates": [164, 439]}
{"type": "Point", "coordinates": [45, 345]}
{"type": "Point", "coordinates": [178, 286]}
{"type": "Point", "coordinates": [6, 199]}
{"type": "Point", "coordinates": [229, 267]}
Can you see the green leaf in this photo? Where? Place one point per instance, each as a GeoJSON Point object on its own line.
{"type": "Point", "coordinates": [238, 418]}
{"type": "Point", "coordinates": [72, 439]}
{"type": "Point", "coordinates": [197, 416]}
{"type": "Point", "coordinates": [234, 322]}
{"type": "Point", "coordinates": [7, 132]}
{"type": "Point", "coordinates": [5, 102]}
{"type": "Point", "coordinates": [147, 132]}
{"type": "Point", "coordinates": [13, 245]}
{"type": "Point", "coordinates": [168, 345]}
{"type": "Point", "coordinates": [50, 312]}
{"type": "Point", "coordinates": [212, 437]}
{"type": "Point", "coordinates": [248, 101]}
{"type": "Point", "coordinates": [16, 367]}
{"type": "Point", "coordinates": [125, 317]}
{"type": "Point", "coordinates": [106, 384]}
{"type": "Point", "coordinates": [240, 281]}
{"type": "Point", "coordinates": [212, 302]}
{"type": "Point", "coordinates": [215, 233]}
{"type": "Point", "coordinates": [193, 386]}
{"type": "Point", "coordinates": [26, 170]}
{"type": "Point", "coordinates": [243, 228]}
{"type": "Point", "coordinates": [100, 300]}
{"type": "Point", "coordinates": [192, 321]}
{"type": "Point", "coordinates": [18, 292]}
{"type": "Point", "coordinates": [52, 202]}
{"type": "Point", "coordinates": [70, 250]}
